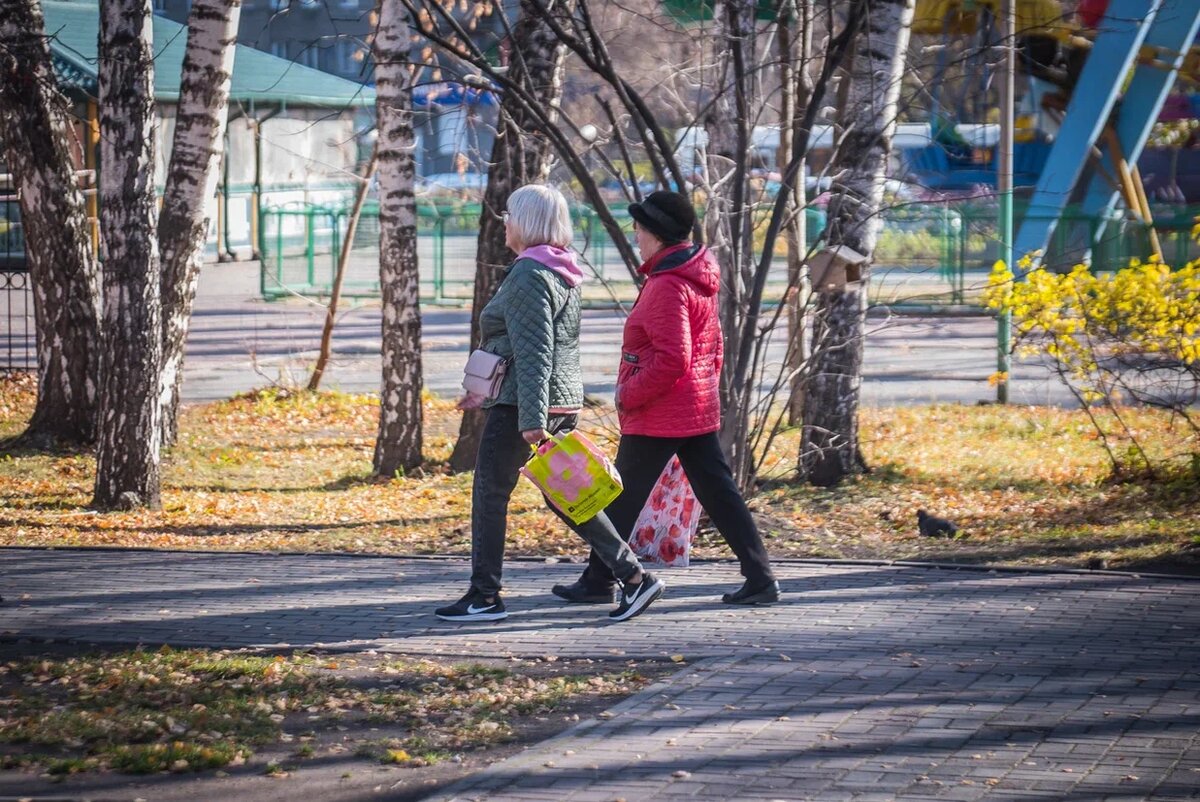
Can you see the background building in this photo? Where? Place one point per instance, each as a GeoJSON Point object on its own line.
{"type": "Point", "coordinates": [454, 127]}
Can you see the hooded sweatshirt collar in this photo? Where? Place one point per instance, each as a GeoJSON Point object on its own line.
{"type": "Point", "coordinates": [670, 257]}
{"type": "Point", "coordinates": [689, 261]}
{"type": "Point", "coordinates": [560, 260]}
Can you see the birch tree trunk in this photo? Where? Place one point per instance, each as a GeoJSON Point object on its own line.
{"type": "Point", "coordinates": [829, 448]}
{"type": "Point", "coordinates": [192, 181]}
{"type": "Point", "coordinates": [398, 446]}
{"type": "Point", "coordinates": [35, 130]}
{"type": "Point", "coordinates": [127, 458]}
{"type": "Point", "coordinates": [521, 154]}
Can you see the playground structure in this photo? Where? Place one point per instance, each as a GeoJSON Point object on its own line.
{"type": "Point", "coordinates": [1152, 38]}
{"type": "Point", "coordinates": [1096, 86]}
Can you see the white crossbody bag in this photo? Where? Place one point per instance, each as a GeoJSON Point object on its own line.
{"type": "Point", "coordinates": [484, 373]}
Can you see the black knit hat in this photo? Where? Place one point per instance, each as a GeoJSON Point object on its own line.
{"type": "Point", "coordinates": [667, 215]}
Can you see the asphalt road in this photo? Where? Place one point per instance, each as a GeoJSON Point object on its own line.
{"type": "Point", "coordinates": [239, 342]}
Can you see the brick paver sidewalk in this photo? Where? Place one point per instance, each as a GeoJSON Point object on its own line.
{"type": "Point", "coordinates": [868, 682]}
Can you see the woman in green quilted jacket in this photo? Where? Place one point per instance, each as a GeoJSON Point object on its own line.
{"type": "Point", "coordinates": [533, 322]}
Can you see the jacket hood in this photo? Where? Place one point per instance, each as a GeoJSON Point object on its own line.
{"type": "Point", "coordinates": [693, 263]}
{"type": "Point", "coordinates": [560, 260]}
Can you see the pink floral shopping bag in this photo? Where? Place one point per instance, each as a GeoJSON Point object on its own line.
{"type": "Point", "coordinates": [667, 525]}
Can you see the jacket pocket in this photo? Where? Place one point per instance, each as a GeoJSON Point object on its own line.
{"type": "Point", "coordinates": [630, 366]}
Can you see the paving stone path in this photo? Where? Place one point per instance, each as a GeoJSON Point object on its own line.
{"type": "Point", "coordinates": [869, 682]}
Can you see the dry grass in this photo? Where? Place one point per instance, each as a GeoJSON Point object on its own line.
{"type": "Point", "coordinates": [184, 711]}
{"type": "Point", "coordinates": [275, 471]}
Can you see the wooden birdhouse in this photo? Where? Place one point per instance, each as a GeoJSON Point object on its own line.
{"type": "Point", "coordinates": [836, 267]}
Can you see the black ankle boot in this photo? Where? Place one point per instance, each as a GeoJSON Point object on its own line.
{"type": "Point", "coordinates": [754, 594]}
{"type": "Point", "coordinates": [580, 592]}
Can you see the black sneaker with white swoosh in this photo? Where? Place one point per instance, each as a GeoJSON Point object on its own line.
{"type": "Point", "coordinates": [636, 598]}
{"type": "Point", "coordinates": [474, 607]}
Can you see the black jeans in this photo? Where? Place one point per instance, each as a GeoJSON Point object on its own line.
{"type": "Point", "coordinates": [502, 452]}
{"type": "Point", "coordinates": [640, 461]}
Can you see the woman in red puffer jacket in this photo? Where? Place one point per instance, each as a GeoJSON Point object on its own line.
{"type": "Point", "coordinates": [668, 398]}
{"type": "Point", "coordinates": [668, 383]}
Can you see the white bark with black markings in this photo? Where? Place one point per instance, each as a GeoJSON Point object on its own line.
{"type": "Point", "coordinates": [829, 449]}
{"type": "Point", "coordinates": [192, 175]}
{"type": "Point", "coordinates": [35, 130]}
{"type": "Point", "coordinates": [398, 445]}
{"type": "Point", "coordinates": [128, 453]}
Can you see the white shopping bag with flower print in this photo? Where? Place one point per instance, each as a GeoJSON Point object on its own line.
{"type": "Point", "coordinates": [667, 525]}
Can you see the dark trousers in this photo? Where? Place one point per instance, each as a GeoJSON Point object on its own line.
{"type": "Point", "coordinates": [502, 452]}
{"type": "Point", "coordinates": [640, 461]}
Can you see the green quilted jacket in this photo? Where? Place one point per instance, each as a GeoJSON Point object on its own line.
{"type": "Point", "coordinates": [533, 320]}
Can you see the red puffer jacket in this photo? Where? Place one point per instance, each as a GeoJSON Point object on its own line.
{"type": "Point", "coordinates": [669, 382]}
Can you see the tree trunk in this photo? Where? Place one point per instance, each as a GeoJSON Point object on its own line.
{"type": "Point", "coordinates": [795, 50]}
{"type": "Point", "coordinates": [520, 155]}
{"type": "Point", "coordinates": [325, 350]}
{"type": "Point", "coordinates": [127, 459]}
{"type": "Point", "coordinates": [192, 181]}
{"type": "Point", "coordinates": [729, 225]}
{"type": "Point", "coordinates": [829, 449]}
{"type": "Point", "coordinates": [721, 156]}
{"type": "Point", "coordinates": [398, 446]}
{"type": "Point", "coordinates": [35, 128]}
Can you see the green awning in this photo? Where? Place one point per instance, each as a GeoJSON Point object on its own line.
{"type": "Point", "coordinates": [73, 27]}
{"type": "Point", "coordinates": [686, 12]}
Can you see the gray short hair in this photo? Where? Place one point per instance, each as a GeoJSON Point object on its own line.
{"type": "Point", "coordinates": [539, 216]}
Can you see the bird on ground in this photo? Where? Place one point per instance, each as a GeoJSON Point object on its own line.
{"type": "Point", "coordinates": [932, 526]}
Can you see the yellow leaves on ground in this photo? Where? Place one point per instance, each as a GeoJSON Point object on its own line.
{"type": "Point", "coordinates": [274, 472]}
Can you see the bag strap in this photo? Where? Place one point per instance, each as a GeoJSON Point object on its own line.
{"type": "Point", "coordinates": [533, 447]}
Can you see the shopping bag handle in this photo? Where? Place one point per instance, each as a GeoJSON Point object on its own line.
{"type": "Point", "coordinates": [536, 448]}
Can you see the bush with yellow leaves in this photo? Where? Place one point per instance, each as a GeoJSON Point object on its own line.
{"type": "Point", "coordinates": [1128, 337]}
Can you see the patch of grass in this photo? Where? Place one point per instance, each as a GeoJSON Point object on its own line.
{"type": "Point", "coordinates": [73, 765]}
{"type": "Point", "coordinates": [416, 750]}
{"type": "Point", "coordinates": [145, 712]}
{"type": "Point", "coordinates": [176, 756]}
{"type": "Point", "coordinates": [18, 391]}
{"type": "Point", "coordinates": [1028, 486]}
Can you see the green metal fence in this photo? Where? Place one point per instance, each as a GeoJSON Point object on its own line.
{"type": "Point", "coordinates": [928, 255]}
{"type": "Point", "coordinates": [918, 256]}
{"type": "Point", "coordinates": [301, 246]}
{"type": "Point", "coordinates": [943, 254]}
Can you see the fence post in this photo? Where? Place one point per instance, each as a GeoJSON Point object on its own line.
{"type": "Point", "coordinates": [335, 219]}
{"type": "Point", "coordinates": [262, 256]}
{"type": "Point", "coordinates": [439, 259]}
{"type": "Point", "coordinates": [310, 236]}
{"type": "Point", "coordinates": [604, 240]}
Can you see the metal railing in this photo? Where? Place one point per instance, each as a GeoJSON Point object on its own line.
{"type": "Point", "coordinates": [18, 349]}
{"type": "Point", "coordinates": [301, 245]}
{"type": "Point", "coordinates": [18, 332]}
